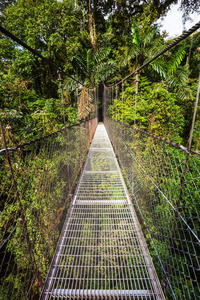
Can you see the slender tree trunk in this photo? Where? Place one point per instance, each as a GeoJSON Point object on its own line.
{"type": "Point", "coordinates": [92, 25]}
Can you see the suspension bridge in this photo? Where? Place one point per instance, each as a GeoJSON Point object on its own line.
{"type": "Point", "coordinates": [102, 252]}
{"type": "Point", "coordinates": [100, 211]}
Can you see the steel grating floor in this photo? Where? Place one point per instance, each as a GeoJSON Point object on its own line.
{"type": "Point", "coordinates": [102, 252]}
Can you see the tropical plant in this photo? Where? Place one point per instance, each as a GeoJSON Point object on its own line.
{"type": "Point", "coordinates": [146, 41]}
{"type": "Point", "coordinates": [93, 68]}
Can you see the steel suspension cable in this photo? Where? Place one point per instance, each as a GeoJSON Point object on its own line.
{"type": "Point", "coordinates": [35, 52]}
{"type": "Point", "coordinates": [122, 98]}
{"type": "Point", "coordinates": [171, 45]}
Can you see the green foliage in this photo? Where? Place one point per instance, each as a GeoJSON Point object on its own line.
{"type": "Point", "coordinates": [157, 110]}
{"type": "Point", "coordinates": [45, 173]}
{"type": "Point", "coordinates": [145, 43]}
{"type": "Point", "coordinates": [94, 68]}
{"type": "Point", "coordinates": [154, 173]}
{"type": "Point", "coordinates": [30, 107]}
{"type": "Point", "coordinates": [136, 33]}
{"type": "Point", "coordinates": [177, 58]}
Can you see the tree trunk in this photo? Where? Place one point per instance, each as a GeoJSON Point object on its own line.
{"type": "Point", "coordinates": [91, 25]}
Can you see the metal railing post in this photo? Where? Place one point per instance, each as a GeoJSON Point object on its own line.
{"type": "Point", "coordinates": [194, 115]}
{"type": "Point", "coordinates": [190, 141]}
{"type": "Point", "coordinates": [61, 91]}
{"type": "Point", "coordinates": [136, 94]}
{"type": "Point", "coordinates": [67, 161]}
{"type": "Point", "coordinates": [122, 99]}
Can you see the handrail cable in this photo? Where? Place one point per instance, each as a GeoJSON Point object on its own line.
{"type": "Point", "coordinates": [55, 133]}
{"type": "Point", "coordinates": [171, 45]}
{"type": "Point", "coordinates": [168, 200]}
{"type": "Point", "coordinates": [35, 52]}
{"type": "Point", "coordinates": [159, 138]}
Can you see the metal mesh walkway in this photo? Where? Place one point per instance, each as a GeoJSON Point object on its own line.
{"type": "Point", "coordinates": [102, 252]}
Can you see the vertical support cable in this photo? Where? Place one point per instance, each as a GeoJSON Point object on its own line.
{"type": "Point", "coordinates": [194, 115]}
{"type": "Point", "coordinates": [115, 133]}
{"type": "Point", "coordinates": [183, 178]}
{"type": "Point", "coordinates": [80, 144]}
{"type": "Point", "coordinates": [103, 102]}
{"type": "Point", "coordinates": [116, 101]}
{"type": "Point", "coordinates": [88, 103]}
{"type": "Point", "coordinates": [95, 100]}
{"type": "Point", "coordinates": [107, 100]}
{"type": "Point", "coordinates": [136, 93]}
{"type": "Point", "coordinates": [111, 95]}
{"type": "Point", "coordinates": [77, 98]}
{"type": "Point", "coordinates": [122, 98]}
{"type": "Point", "coordinates": [97, 103]}
{"type": "Point", "coordinates": [190, 143]}
{"type": "Point", "coordinates": [111, 101]}
{"type": "Point", "coordinates": [61, 92]}
{"type": "Point", "coordinates": [134, 138]}
{"type": "Point", "coordinates": [189, 55]}
{"type": "Point", "coordinates": [22, 217]}
{"type": "Point", "coordinates": [67, 161]}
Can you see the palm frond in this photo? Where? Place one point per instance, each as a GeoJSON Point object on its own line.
{"type": "Point", "coordinates": [131, 54]}
{"type": "Point", "coordinates": [135, 29]}
{"type": "Point", "coordinates": [90, 59]}
{"type": "Point", "coordinates": [102, 54]}
{"type": "Point", "coordinates": [70, 85]}
{"type": "Point", "coordinates": [149, 36]}
{"type": "Point", "coordinates": [177, 58]}
{"type": "Point", "coordinates": [179, 78]}
{"type": "Point", "coordinates": [179, 81]}
{"type": "Point", "coordinates": [159, 67]}
{"type": "Point", "coordinates": [78, 62]}
{"type": "Point", "coordinates": [105, 69]}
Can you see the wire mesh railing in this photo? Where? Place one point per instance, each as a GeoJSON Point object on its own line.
{"type": "Point", "coordinates": [163, 180]}
{"type": "Point", "coordinates": [37, 177]}
{"type": "Point", "coordinates": [37, 183]}
{"type": "Point", "coordinates": [163, 176]}
{"type": "Point", "coordinates": [101, 253]}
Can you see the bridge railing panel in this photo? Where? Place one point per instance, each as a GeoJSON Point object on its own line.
{"type": "Point", "coordinates": [37, 183]}
{"type": "Point", "coordinates": [163, 181]}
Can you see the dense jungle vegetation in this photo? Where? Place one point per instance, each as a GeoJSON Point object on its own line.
{"type": "Point", "coordinates": [95, 41]}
